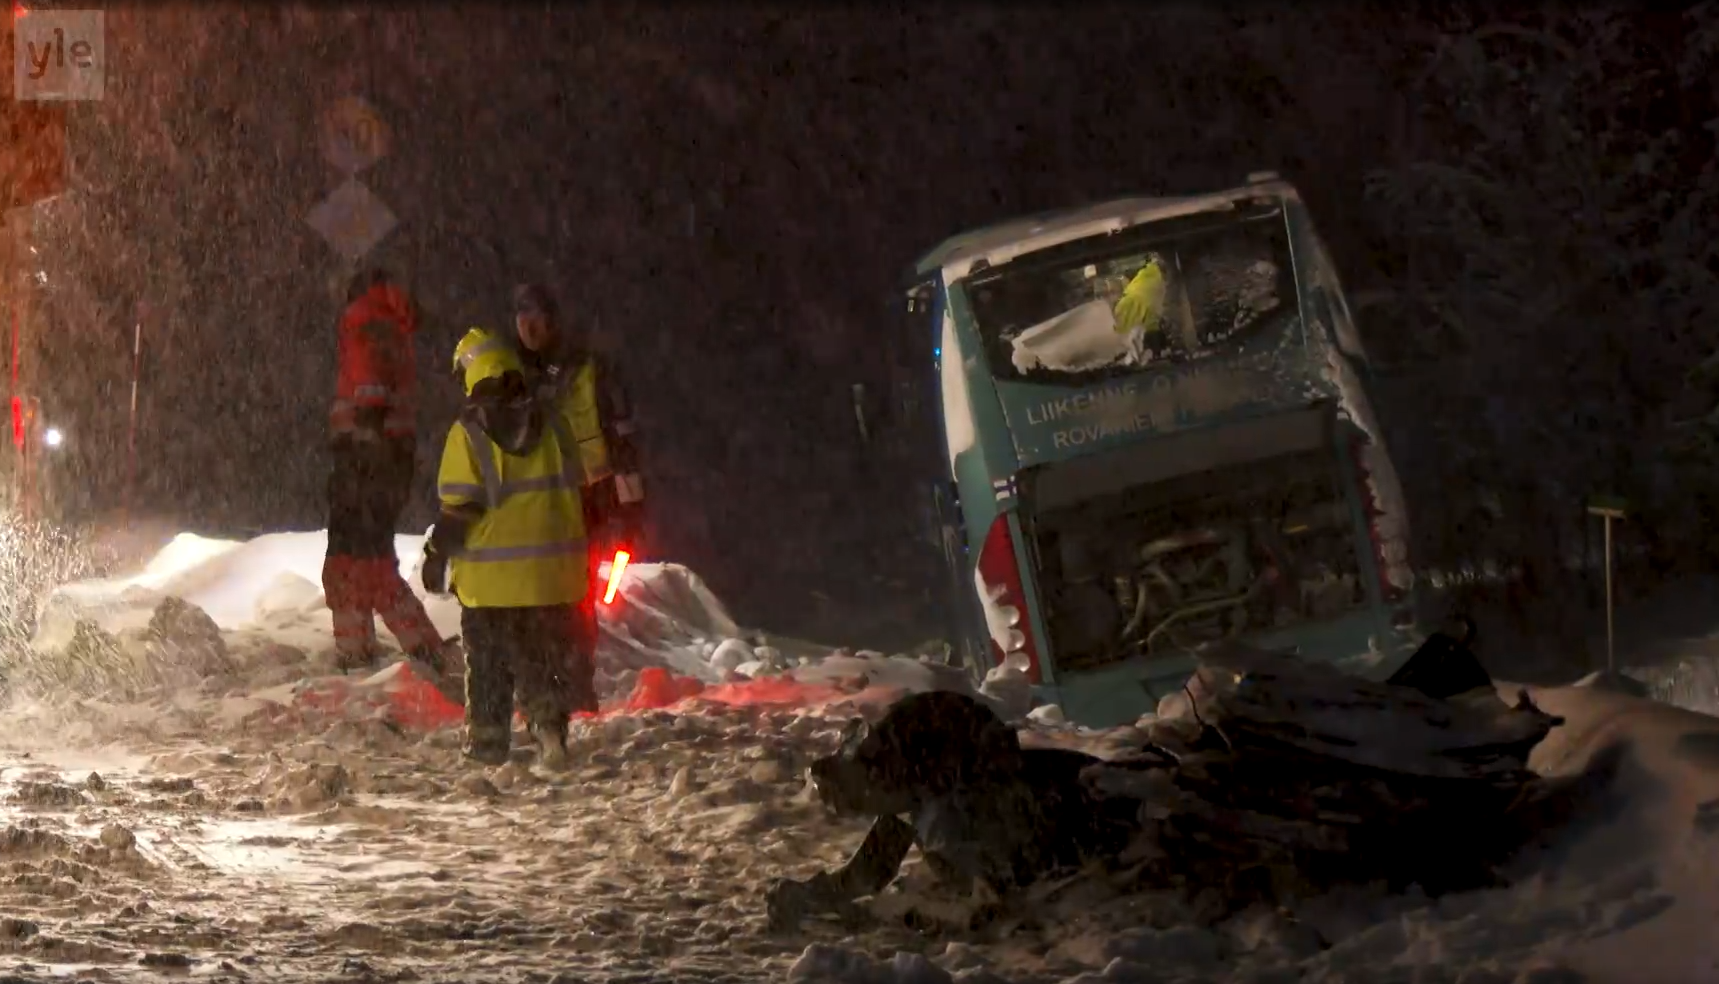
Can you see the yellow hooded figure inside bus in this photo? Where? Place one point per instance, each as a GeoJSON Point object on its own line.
{"type": "Point", "coordinates": [510, 542]}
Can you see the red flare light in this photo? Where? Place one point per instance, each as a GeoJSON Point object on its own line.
{"type": "Point", "coordinates": [616, 569]}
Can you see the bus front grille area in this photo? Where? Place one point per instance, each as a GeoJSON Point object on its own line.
{"type": "Point", "coordinates": [1187, 540]}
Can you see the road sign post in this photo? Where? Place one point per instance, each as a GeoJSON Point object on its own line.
{"type": "Point", "coordinates": [1609, 508]}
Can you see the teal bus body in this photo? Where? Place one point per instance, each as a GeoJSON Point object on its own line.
{"type": "Point", "coordinates": [1271, 421]}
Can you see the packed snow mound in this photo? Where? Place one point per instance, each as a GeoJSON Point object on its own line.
{"type": "Point", "coordinates": [247, 621]}
{"type": "Point", "coordinates": [326, 815]}
{"type": "Point", "coordinates": [664, 614]}
{"type": "Point", "coordinates": [240, 584]}
{"type": "Point", "coordinates": [713, 766]}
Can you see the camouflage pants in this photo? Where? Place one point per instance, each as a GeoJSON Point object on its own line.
{"type": "Point", "coordinates": [534, 653]}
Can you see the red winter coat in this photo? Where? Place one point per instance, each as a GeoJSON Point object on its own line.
{"type": "Point", "coordinates": [377, 384]}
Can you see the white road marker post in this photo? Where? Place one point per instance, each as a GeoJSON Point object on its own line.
{"type": "Point", "coordinates": [1609, 508]}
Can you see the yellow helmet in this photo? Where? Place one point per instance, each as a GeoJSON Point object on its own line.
{"type": "Point", "coordinates": [480, 356]}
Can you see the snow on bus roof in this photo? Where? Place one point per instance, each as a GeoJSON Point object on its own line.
{"type": "Point", "coordinates": [1003, 242]}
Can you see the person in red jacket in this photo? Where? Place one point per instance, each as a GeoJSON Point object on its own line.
{"type": "Point", "coordinates": [373, 441]}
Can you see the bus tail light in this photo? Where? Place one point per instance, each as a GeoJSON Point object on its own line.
{"type": "Point", "coordinates": [1390, 590]}
{"type": "Point", "coordinates": [1004, 598]}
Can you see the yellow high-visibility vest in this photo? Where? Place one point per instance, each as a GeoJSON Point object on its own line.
{"type": "Point", "coordinates": [1142, 303]}
{"type": "Point", "coordinates": [529, 547]}
{"type": "Point", "coordinates": [574, 399]}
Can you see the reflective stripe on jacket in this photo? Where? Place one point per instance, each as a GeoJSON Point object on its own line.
{"type": "Point", "coordinates": [529, 546]}
{"type": "Point", "coordinates": [399, 416]}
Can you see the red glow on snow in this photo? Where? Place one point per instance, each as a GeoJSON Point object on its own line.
{"type": "Point", "coordinates": [657, 688]}
{"type": "Point", "coordinates": [616, 569]}
{"type": "Point", "coordinates": [417, 705]}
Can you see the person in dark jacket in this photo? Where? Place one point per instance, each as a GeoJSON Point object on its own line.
{"type": "Point", "coordinates": [565, 374]}
{"type": "Point", "coordinates": [372, 440]}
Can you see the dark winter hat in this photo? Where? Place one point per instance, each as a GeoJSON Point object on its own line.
{"type": "Point", "coordinates": [534, 299]}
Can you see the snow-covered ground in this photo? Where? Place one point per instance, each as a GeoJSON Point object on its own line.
{"type": "Point", "coordinates": [219, 806]}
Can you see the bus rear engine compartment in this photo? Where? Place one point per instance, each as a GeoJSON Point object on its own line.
{"type": "Point", "coordinates": [1234, 551]}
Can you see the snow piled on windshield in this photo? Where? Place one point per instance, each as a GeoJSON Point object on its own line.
{"type": "Point", "coordinates": [1078, 340]}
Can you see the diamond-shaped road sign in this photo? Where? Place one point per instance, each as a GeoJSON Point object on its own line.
{"type": "Point", "coordinates": [352, 220]}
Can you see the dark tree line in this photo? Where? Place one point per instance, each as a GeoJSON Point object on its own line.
{"type": "Point", "coordinates": [1522, 203]}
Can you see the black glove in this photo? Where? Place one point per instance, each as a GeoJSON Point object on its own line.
{"type": "Point", "coordinates": [444, 540]}
{"type": "Point", "coordinates": [601, 497]}
{"type": "Point", "coordinates": [598, 499]}
{"type": "Point", "coordinates": [628, 519]}
{"type": "Point", "coordinates": [435, 569]}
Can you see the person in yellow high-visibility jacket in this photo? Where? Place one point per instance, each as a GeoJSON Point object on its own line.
{"type": "Point", "coordinates": [511, 544]}
{"type": "Point", "coordinates": [1142, 304]}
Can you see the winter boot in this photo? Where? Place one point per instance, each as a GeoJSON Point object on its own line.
{"type": "Point", "coordinates": [488, 745]}
{"type": "Point", "coordinates": [356, 660]}
{"type": "Point", "coordinates": [552, 747]}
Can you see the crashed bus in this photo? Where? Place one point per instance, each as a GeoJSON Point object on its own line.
{"type": "Point", "coordinates": [1155, 436]}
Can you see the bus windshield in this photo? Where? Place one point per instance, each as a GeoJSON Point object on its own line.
{"type": "Point", "coordinates": [1114, 304]}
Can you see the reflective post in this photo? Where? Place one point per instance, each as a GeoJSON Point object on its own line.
{"type": "Point", "coordinates": [1611, 605]}
{"type": "Point", "coordinates": [859, 412]}
{"type": "Point", "coordinates": [1609, 508]}
{"type": "Point", "coordinates": [15, 264]}
{"type": "Point", "coordinates": [131, 423]}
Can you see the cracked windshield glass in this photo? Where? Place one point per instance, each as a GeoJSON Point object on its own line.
{"type": "Point", "coordinates": [1101, 308]}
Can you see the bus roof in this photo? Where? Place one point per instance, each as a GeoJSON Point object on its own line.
{"type": "Point", "coordinates": [1004, 241]}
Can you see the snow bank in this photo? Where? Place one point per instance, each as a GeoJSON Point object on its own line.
{"type": "Point", "coordinates": [664, 616]}
{"type": "Point", "coordinates": [716, 785]}
{"type": "Point", "coordinates": [241, 584]}
{"type": "Point", "coordinates": [1659, 838]}
{"type": "Point", "coordinates": [267, 641]}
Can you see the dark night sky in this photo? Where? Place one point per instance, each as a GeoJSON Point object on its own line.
{"type": "Point", "coordinates": [823, 152]}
